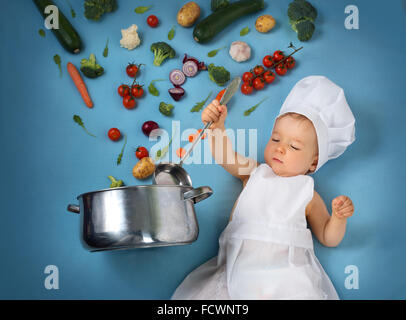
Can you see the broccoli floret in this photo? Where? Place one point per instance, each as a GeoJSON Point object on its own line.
{"type": "Point", "coordinates": [166, 109]}
{"type": "Point", "coordinates": [301, 17]}
{"type": "Point", "coordinates": [304, 29]}
{"type": "Point", "coordinates": [162, 51]}
{"type": "Point", "coordinates": [115, 183]}
{"type": "Point", "coordinates": [94, 9]}
{"type": "Point", "coordinates": [218, 75]}
{"type": "Point", "coordinates": [90, 68]}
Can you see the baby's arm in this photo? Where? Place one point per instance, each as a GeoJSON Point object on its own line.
{"type": "Point", "coordinates": [329, 230]}
{"type": "Point", "coordinates": [221, 146]}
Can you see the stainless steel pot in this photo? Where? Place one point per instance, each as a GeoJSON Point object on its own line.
{"type": "Point", "coordinates": [139, 216]}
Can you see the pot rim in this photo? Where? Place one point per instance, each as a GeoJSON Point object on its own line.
{"type": "Point", "coordinates": [136, 186]}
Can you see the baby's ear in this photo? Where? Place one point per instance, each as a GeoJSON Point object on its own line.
{"type": "Point", "coordinates": [313, 166]}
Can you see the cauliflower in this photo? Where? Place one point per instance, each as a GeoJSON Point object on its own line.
{"type": "Point", "coordinates": [130, 38]}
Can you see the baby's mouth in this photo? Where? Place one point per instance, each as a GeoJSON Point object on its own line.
{"type": "Point", "coordinates": [277, 160]}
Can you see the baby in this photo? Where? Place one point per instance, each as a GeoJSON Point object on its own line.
{"type": "Point", "coordinates": [266, 250]}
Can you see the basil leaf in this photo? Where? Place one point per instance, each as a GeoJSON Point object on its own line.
{"type": "Point", "coordinates": [171, 33]}
{"type": "Point", "coordinates": [122, 150]}
{"type": "Point", "coordinates": [106, 49]}
{"type": "Point", "coordinates": [57, 60]}
{"type": "Point", "coordinates": [151, 88]}
{"type": "Point", "coordinates": [142, 9]}
{"type": "Point", "coordinates": [244, 31]}
{"type": "Point", "coordinates": [41, 32]}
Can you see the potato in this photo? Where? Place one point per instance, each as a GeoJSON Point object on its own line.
{"type": "Point", "coordinates": [188, 14]}
{"type": "Point", "coordinates": [144, 168]}
{"type": "Point", "coordinates": [264, 23]}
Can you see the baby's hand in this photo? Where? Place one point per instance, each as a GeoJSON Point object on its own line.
{"type": "Point", "coordinates": [342, 207]}
{"type": "Point", "coordinates": [216, 113]}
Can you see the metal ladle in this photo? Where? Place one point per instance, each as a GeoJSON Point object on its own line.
{"type": "Point", "coordinates": [169, 173]}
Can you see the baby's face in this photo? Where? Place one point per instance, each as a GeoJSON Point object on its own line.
{"type": "Point", "coordinates": [292, 148]}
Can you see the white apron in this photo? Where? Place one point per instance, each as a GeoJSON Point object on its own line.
{"type": "Point", "coordinates": [266, 251]}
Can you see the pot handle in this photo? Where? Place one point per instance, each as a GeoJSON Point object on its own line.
{"type": "Point", "coordinates": [74, 208]}
{"type": "Point", "coordinates": [198, 194]}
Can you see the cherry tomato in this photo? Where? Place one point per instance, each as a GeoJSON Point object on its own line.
{"type": "Point", "coordinates": [114, 134]}
{"type": "Point", "coordinates": [281, 69]}
{"type": "Point", "coordinates": [258, 70]}
{"type": "Point", "coordinates": [290, 62]}
{"type": "Point", "coordinates": [246, 88]}
{"type": "Point", "coordinates": [137, 91]}
{"type": "Point", "coordinates": [267, 61]}
{"type": "Point", "coordinates": [278, 55]}
{"type": "Point", "coordinates": [247, 76]}
{"type": "Point", "coordinates": [129, 102]}
{"type": "Point", "coordinates": [152, 21]}
{"type": "Point", "coordinates": [259, 83]}
{"type": "Point", "coordinates": [269, 76]}
{"type": "Point", "coordinates": [123, 90]}
{"type": "Point", "coordinates": [132, 70]}
{"type": "Point", "coordinates": [141, 152]}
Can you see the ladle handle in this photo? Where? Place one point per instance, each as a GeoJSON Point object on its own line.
{"type": "Point", "coordinates": [208, 124]}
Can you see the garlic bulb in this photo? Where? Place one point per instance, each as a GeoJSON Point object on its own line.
{"type": "Point", "coordinates": [240, 51]}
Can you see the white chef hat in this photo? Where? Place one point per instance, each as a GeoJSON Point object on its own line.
{"type": "Point", "coordinates": [324, 103]}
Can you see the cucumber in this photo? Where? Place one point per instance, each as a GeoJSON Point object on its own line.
{"type": "Point", "coordinates": [210, 26]}
{"type": "Point", "coordinates": [66, 34]}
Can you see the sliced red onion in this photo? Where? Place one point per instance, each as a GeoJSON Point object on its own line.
{"type": "Point", "coordinates": [177, 77]}
{"type": "Point", "coordinates": [176, 93]}
{"type": "Point", "coordinates": [190, 68]}
{"type": "Point", "coordinates": [201, 65]}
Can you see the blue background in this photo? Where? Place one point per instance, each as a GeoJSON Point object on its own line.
{"type": "Point", "coordinates": [47, 160]}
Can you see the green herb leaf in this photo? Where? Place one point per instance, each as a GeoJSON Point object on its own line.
{"type": "Point", "coordinates": [171, 33]}
{"type": "Point", "coordinates": [72, 12]}
{"type": "Point", "coordinates": [151, 88]}
{"type": "Point", "coordinates": [106, 49]}
{"type": "Point", "coordinates": [244, 31]}
{"type": "Point", "coordinates": [122, 151]}
{"type": "Point", "coordinates": [199, 105]}
{"type": "Point", "coordinates": [214, 52]}
{"type": "Point", "coordinates": [248, 111]}
{"type": "Point", "coordinates": [41, 32]}
{"type": "Point", "coordinates": [79, 121]}
{"type": "Point", "coordinates": [161, 152]}
{"type": "Point", "coordinates": [57, 60]}
{"type": "Point", "coordinates": [142, 9]}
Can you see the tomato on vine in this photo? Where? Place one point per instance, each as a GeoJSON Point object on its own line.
{"type": "Point", "coordinates": [290, 62]}
{"type": "Point", "coordinates": [269, 76]}
{"type": "Point", "coordinates": [129, 102]}
{"type": "Point", "coordinates": [114, 134]}
{"type": "Point", "coordinates": [278, 55]}
{"type": "Point", "coordinates": [258, 70]}
{"type": "Point", "coordinates": [152, 21]}
{"type": "Point", "coordinates": [247, 76]}
{"type": "Point", "coordinates": [267, 61]}
{"type": "Point", "coordinates": [259, 83]}
{"type": "Point", "coordinates": [132, 70]}
{"type": "Point", "coordinates": [281, 69]}
{"type": "Point", "coordinates": [123, 90]}
{"type": "Point", "coordinates": [137, 91]}
{"type": "Point", "coordinates": [246, 88]}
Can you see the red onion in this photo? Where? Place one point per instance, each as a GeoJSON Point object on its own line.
{"type": "Point", "coordinates": [176, 93]}
{"type": "Point", "coordinates": [148, 126]}
{"type": "Point", "coordinates": [177, 77]}
{"type": "Point", "coordinates": [200, 65]}
{"type": "Point", "coordinates": [190, 68]}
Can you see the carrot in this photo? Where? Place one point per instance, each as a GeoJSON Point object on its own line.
{"type": "Point", "coordinates": [203, 136]}
{"type": "Point", "coordinates": [180, 152]}
{"type": "Point", "coordinates": [80, 84]}
{"type": "Point", "coordinates": [220, 95]}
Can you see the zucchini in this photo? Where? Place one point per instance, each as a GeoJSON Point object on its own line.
{"type": "Point", "coordinates": [210, 26]}
{"type": "Point", "coordinates": [66, 34]}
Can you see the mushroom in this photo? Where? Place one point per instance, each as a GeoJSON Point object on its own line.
{"type": "Point", "coordinates": [240, 51]}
